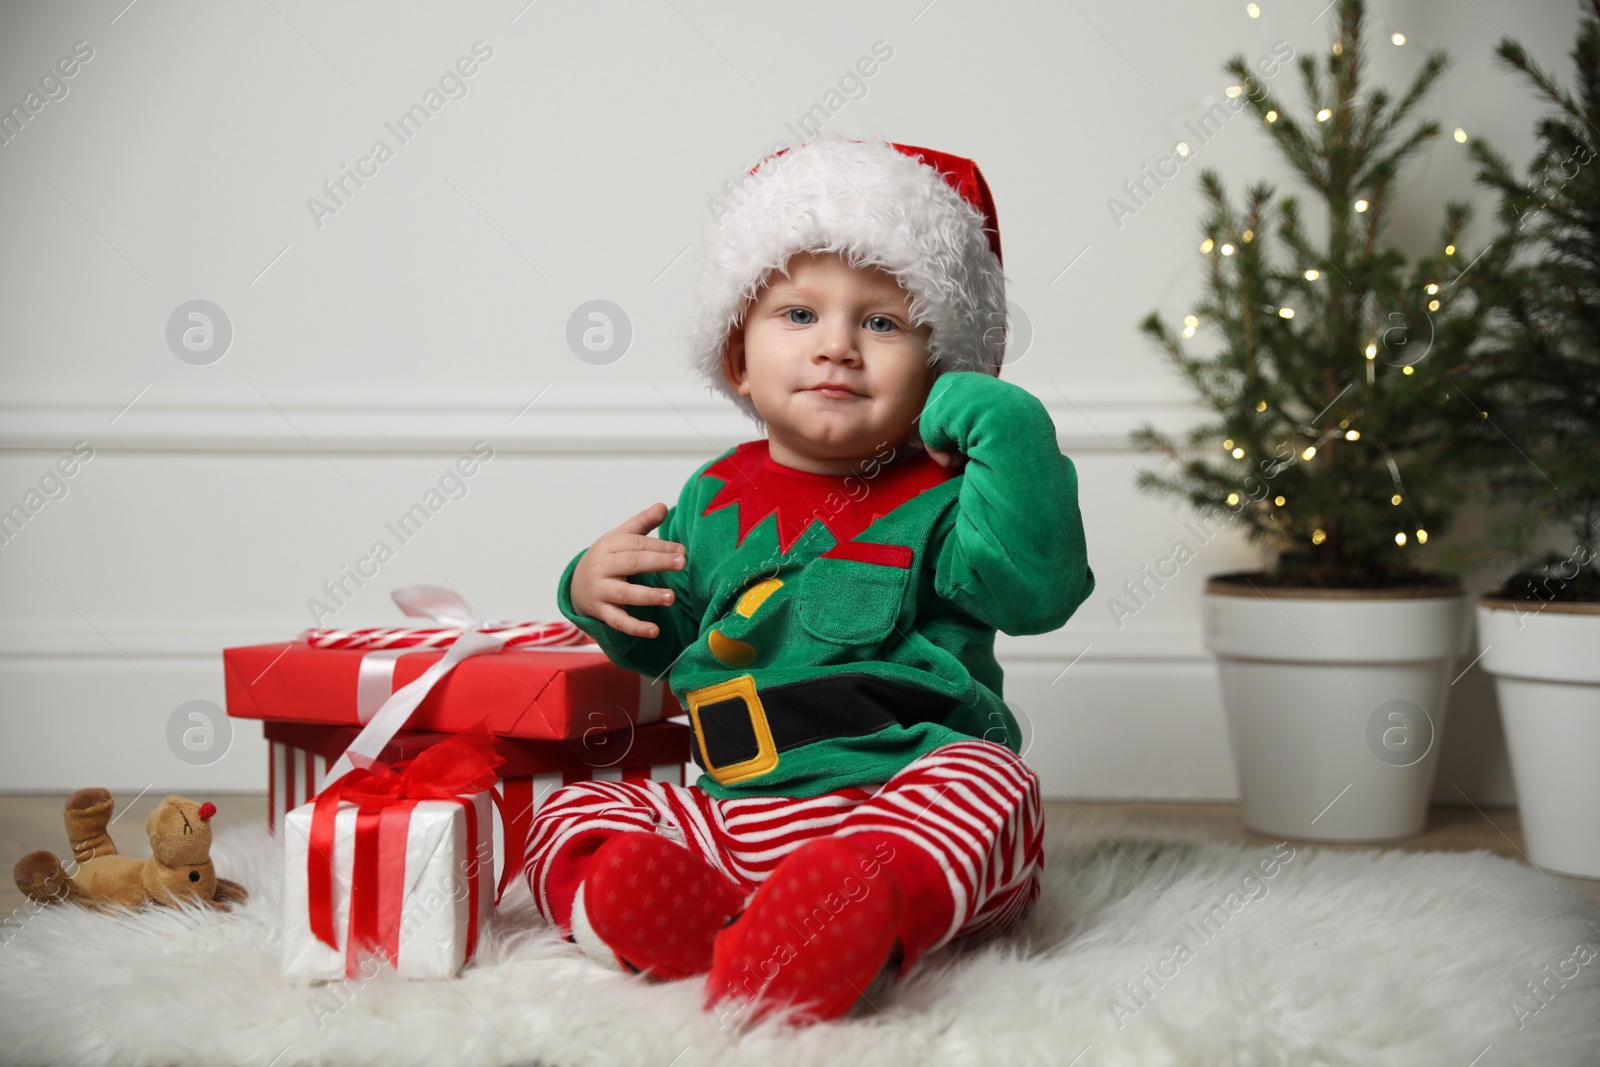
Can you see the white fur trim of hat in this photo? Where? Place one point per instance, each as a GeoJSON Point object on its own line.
{"type": "Point", "coordinates": [924, 216]}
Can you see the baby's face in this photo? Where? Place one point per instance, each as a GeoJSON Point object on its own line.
{"type": "Point", "coordinates": [829, 322]}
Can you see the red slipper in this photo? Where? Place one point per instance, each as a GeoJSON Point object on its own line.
{"type": "Point", "coordinates": [814, 936]}
{"type": "Point", "coordinates": [655, 905]}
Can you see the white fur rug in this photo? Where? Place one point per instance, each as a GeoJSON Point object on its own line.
{"type": "Point", "coordinates": [1336, 958]}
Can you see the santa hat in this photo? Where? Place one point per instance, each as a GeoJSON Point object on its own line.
{"type": "Point", "coordinates": [924, 216]}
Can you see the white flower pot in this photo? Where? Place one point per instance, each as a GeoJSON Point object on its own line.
{"type": "Point", "coordinates": [1545, 660]}
{"type": "Point", "coordinates": [1335, 701]}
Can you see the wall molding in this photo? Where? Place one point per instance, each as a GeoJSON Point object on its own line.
{"type": "Point", "coordinates": [555, 419]}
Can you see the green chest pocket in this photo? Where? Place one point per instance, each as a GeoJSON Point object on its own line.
{"type": "Point", "coordinates": [853, 594]}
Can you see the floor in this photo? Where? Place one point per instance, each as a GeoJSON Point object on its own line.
{"type": "Point", "coordinates": [33, 821]}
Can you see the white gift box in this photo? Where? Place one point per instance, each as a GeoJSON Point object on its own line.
{"type": "Point", "coordinates": [427, 924]}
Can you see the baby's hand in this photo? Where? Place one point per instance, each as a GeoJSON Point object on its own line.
{"type": "Point", "coordinates": [599, 581]}
{"type": "Point", "coordinates": [946, 457]}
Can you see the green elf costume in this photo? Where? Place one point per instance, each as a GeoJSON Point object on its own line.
{"type": "Point", "coordinates": [832, 636]}
{"type": "Point", "coordinates": [830, 629]}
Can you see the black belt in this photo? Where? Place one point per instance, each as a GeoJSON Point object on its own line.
{"type": "Point", "coordinates": [741, 730]}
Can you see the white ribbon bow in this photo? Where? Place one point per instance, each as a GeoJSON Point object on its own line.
{"type": "Point", "coordinates": [445, 607]}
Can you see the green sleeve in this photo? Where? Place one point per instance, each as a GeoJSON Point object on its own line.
{"type": "Point", "coordinates": [679, 621]}
{"type": "Point", "coordinates": [1011, 552]}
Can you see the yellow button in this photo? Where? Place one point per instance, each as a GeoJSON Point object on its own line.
{"type": "Point", "coordinates": [733, 653]}
{"type": "Point", "coordinates": [757, 595]}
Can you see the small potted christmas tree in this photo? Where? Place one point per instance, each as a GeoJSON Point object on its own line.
{"type": "Point", "coordinates": [1539, 376]}
{"type": "Point", "coordinates": [1331, 447]}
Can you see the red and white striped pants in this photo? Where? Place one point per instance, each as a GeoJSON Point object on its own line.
{"type": "Point", "coordinates": [963, 822]}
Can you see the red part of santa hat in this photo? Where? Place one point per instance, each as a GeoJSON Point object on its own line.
{"type": "Point", "coordinates": [926, 217]}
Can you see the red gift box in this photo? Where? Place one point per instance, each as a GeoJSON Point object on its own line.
{"type": "Point", "coordinates": [527, 692]}
{"type": "Point", "coordinates": [300, 754]}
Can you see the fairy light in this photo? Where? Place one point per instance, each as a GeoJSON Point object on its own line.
{"type": "Point", "coordinates": [1324, 115]}
{"type": "Point", "coordinates": [1233, 499]}
{"type": "Point", "coordinates": [1449, 250]}
{"type": "Point", "coordinates": [1247, 236]}
{"type": "Point", "coordinates": [1318, 536]}
{"type": "Point", "coordinates": [1433, 305]}
{"type": "Point", "coordinates": [1395, 500]}
{"type": "Point", "coordinates": [1311, 450]}
{"type": "Point", "coordinates": [1233, 91]}
{"type": "Point", "coordinates": [1227, 445]}
{"type": "Point", "coordinates": [1190, 320]}
{"type": "Point", "coordinates": [1431, 288]}
{"type": "Point", "coordinates": [1361, 205]}
{"type": "Point", "coordinates": [1252, 10]}
{"type": "Point", "coordinates": [1407, 370]}
{"type": "Point", "coordinates": [1188, 332]}
{"type": "Point", "coordinates": [1398, 38]}
{"type": "Point", "coordinates": [1261, 405]}
{"type": "Point", "coordinates": [1238, 453]}
{"type": "Point", "coordinates": [1271, 117]}
{"type": "Point", "coordinates": [1183, 148]}
{"type": "Point", "coordinates": [1278, 500]}
{"type": "Point", "coordinates": [1460, 135]}
{"type": "Point", "coordinates": [1207, 245]}
{"type": "Point", "coordinates": [1338, 48]}
{"type": "Point", "coordinates": [1372, 351]}
{"type": "Point", "coordinates": [1352, 435]}
{"type": "Point", "coordinates": [1313, 275]}
{"type": "Point", "coordinates": [1286, 313]}
{"type": "Point", "coordinates": [1422, 537]}
{"type": "Point", "coordinates": [1226, 250]}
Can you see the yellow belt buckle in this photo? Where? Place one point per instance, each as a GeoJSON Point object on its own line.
{"type": "Point", "coordinates": [742, 688]}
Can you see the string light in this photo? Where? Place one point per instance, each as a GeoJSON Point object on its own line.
{"type": "Point", "coordinates": [1449, 250]}
{"type": "Point", "coordinates": [1460, 135]}
{"type": "Point", "coordinates": [1400, 538]}
{"type": "Point", "coordinates": [1207, 245]}
{"type": "Point", "coordinates": [1247, 236]}
{"type": "Point", "coordinates": [1352, 435]}
{"type": "Point", "coordinates": [1313, 275]}
{"type": "Point", "coordinates": [1395, 500]}
{"type": "Point", "coordinates": [1226, 250]}
{"type": "Point", "coordinates": [1188, 332]}
{"type": "Point", "coordinates": [1233, 499]}
{"type": "Point", "coordinates": [1398, 38]}
{"type": "Point", "coordinates": [1407, 370]}
{"type": "Point", "coordinates": [1190, 320]}
{"type": "Point", "coordinates": [1183, 148]}
{"type": "Point", "coordinates": [1227, 445]}
{"type": "Point", "coordinates": [1324, 115]}
{"type": "Point", "coordinates": [1431, 288]}
{"type": "Point", "coordinates": [1238, 453]}
{"type": "Point", "coordinates": [1252, 10]}
{"type": "Point", "coordinates": [1310, 451]}
{"type": "Point", "coordinates": [1278, 500]}
{"type": "Point", "coordinates": [1433, 305]}
{"type": "Point", "coordinates": [1338, 48]}
{"type": "Point", "coordinates": [1372, 351]}
{"type": "Point", "coordinates": [1422, 537]}
{"type": "Point", "coordinates": [1272, 116]}
{"type": "Point", "coordinates": [1233, 91]}
{"type": "Point", "coordinates": [1261, 405]}
{"type": "Point", "coordinates": [1286, 313]}
{"type": "Point", "coordinates": [1318, 536]}
{"type": "Point", "coordinates": [1361, 205]}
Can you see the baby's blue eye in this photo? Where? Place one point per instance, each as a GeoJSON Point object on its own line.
{"type": "Point", "coordinates": [799, 311]}
{"type": "Point", "coordinates": [888, 324]}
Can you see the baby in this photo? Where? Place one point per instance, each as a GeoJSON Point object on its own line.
{"type": "Point", "coordinates": [824, 602]}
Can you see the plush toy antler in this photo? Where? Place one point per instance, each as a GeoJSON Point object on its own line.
{"type": "Point", "coordinates": [179, 870]}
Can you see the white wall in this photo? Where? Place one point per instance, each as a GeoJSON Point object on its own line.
{"type": "Point", "coordinates": [431, 311]}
